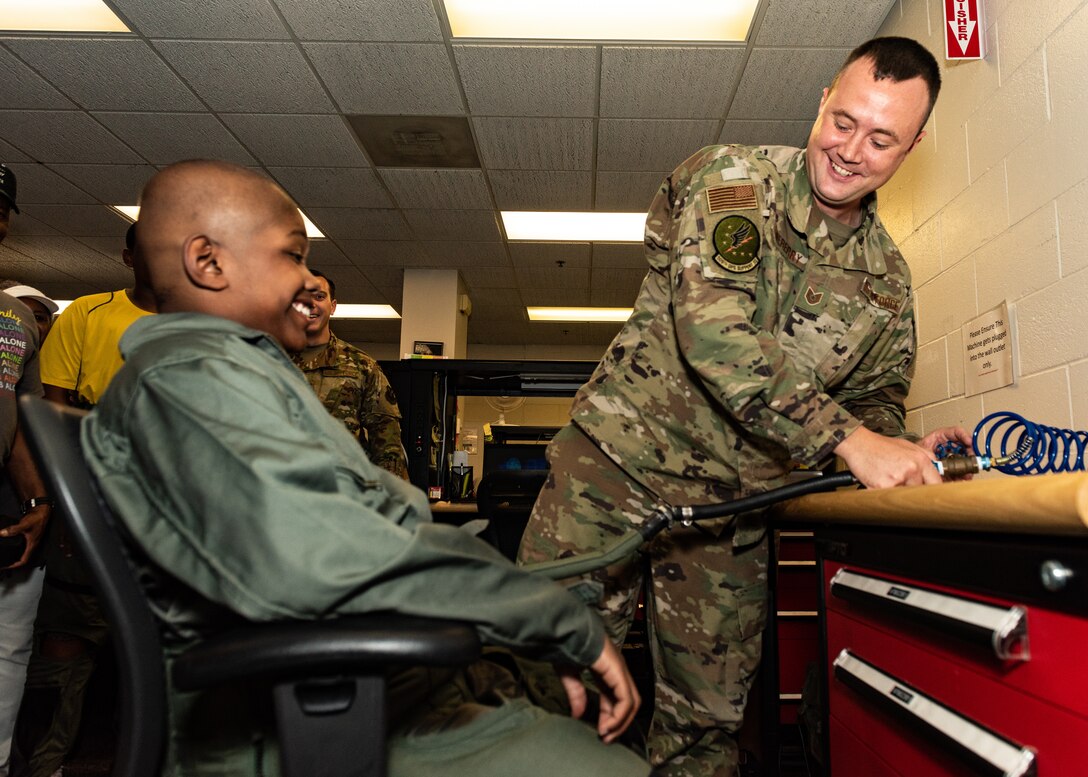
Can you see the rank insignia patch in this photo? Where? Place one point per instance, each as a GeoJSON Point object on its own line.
{"type": "Point", "coordinates": [736, 197]}
{"type": "Point", "coordinates": [736, 241]}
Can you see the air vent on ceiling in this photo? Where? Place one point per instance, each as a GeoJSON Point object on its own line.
{"type": "Point", "coordinates": [416, 141]}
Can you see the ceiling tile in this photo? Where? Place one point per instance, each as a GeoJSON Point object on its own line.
{"type": "Point", "coordinates": [548, 255]}
{"type": "Point", "coordinates": [115, 74]}
{"type": "Point", "coordinates": [621, 281]}
{"type": "Point", "coordinates": [62, 253]}
{"type": "Point", "coordinates": [529, 80]}
{"type": "Point", "coordinates": [366, 331]}
{"type": "Point", "coordinates": [628, 192]}
{"type": "Point", "coordinates": [386, 277]}
{"type": "Point", "coordinates": [23, 224]}
{"type": "Point", "coordinates": [651, 144]}
{"type": "Point", "coordinates": [297, 139]}
{"type": "Point", "coordinates": [388, 78]}
{"type": "Point", "coordinates": [460, 225]}
{"type": "Point", "coordinates": [359, 223]}
{"type": "Point", "coordinates": [22, 88]}
{"type": "Point", "coordinates": [820, 23]}
{"type": "Point", "coordinates": [109, 245]}
{"type": "Point", "coordinates": [9, 154]}
{"type": "Point", "coordinates": [313, 187]}
{"type": "Point", "coordinates": [541, 278]}
{"type": "Point", "coordinates": [466, 254]}
{"type": "Point", "coordinates": [63, 136]}
{"type": "Point", "coordinates": [489, 277]}
{"type": "Point", "coordinates": [248, 77]}
{"type": "Point", "coordinates": [78, 220]}
{"type": "Point", "coordinates": [164, 138]}
{"type": "Point", "coordinates": [552, 297]}
{"type": "Point", "coordinates": [326, 253]}
{"type": "Point", "coordinates": [219, 19]}
{"type": "Point", "coordinates": [611, 255]}
{"type": "Point", "coordinates": [498, 302]}
{"type": "Point", "coordinates": [765, 94]}
{"type": "Point", "coordinates": [111, 184]}
{"type": "Point", "coordinates": [439, 189]}
{"type": "Point", "coordinates": [668, 83]}
{"type": "Point", "coordinates": [766, 133]}
{"type": "Point", "coordinates": [535, 144]}
{"type": "Point", "coordinates": [39, 184]}
{"type": "Point", "coordinates": [377, 255]}
{"type": "Point", "coordinates": [542, 189]}
{"type": "Point", "coordinates": [369, 20]}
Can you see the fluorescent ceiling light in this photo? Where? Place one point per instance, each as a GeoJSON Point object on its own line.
{"type": "Point", "coordinates": [132, 213]}
{"type": "Point", "coordinates": [642, 20]}
{"type": "Point", "coordinates": [365, 311]}
{"type": "Point", "coordinates": [582, 315]}
{"type": "Point", "coordinates": [59, 16]}
{"type": "Point", "coordinates": [573, 226]}
{"type": "Point", "coordinates": [62, 304]}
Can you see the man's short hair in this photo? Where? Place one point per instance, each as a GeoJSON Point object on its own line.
{"type": "Point", "coordinates": [328, 280]}
{"type": "Point", "coordinates": [899, 59]}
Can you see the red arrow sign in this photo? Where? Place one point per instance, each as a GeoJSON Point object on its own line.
{"type": "Point", "coordinates": [963, 32]}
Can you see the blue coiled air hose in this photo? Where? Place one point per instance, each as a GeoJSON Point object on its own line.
{"type": "Point", "coordinates": [1018, 446]}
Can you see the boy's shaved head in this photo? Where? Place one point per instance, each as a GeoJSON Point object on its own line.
{"type": "Point", "coordinates": [220, 239]}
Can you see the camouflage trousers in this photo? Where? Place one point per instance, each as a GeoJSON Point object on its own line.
{"type": "Point", "coordinates": [706, 600]}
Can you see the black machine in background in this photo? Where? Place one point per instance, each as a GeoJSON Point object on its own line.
{"type": "Point", "coordinates": [427, 392]}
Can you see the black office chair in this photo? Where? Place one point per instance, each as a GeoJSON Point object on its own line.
{"type": "Point", "coordinates": [328, 677]}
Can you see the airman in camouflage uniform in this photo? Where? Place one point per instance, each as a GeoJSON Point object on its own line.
{"type": "Point", "coordinates": [775, 322]}
{"type": "Point", "coordinates": [352, 386]}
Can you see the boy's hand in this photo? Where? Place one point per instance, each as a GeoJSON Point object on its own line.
{"type": "Point", "coordinates": [619, 698]}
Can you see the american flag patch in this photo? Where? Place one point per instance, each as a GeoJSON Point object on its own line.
{"type": "Point", "coordinates": [738, 197]}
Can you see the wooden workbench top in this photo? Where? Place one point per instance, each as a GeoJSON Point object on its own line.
{"type": "Point", "coordinates": [1039, 504]}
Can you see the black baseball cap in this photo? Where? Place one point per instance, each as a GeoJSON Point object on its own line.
{"type": "Point", "coordinates": [7, 185]}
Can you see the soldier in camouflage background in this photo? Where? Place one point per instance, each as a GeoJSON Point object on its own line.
{"type": "Point", "coordinates": [352, 386]}
{"type": "Point", "coordinates": [774, 329]}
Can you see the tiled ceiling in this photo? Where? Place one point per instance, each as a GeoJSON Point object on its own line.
{"type": "Point", "coordinates": [84, 120]}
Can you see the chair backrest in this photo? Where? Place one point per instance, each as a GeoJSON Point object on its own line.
{"type": "Point", "coordinates": [53, 434]}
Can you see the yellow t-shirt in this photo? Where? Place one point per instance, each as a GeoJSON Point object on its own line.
{"type": "Point", "coordinates": [81, 351]}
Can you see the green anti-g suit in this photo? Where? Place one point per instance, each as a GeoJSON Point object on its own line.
{"type": "Point", "coordinates": [756, 344]}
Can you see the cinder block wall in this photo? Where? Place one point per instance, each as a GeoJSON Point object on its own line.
{"type": "Point", "coordinates": [993, 205]}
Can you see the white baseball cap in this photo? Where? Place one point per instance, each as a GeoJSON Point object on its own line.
{"type": "Point", "coordinates": [29, 292]}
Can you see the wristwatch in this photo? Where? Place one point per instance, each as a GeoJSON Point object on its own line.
{"type": "Point", "coordinates": [36, 501]}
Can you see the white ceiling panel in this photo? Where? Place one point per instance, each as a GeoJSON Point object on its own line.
{"type": "Point", "coordinates": [625, 255]}
{"type": "Point", "coordinates": [360, 223]}
{"type": "Point", "coordinates": [107, 245]}
{"type": "Point", "coordinates": [628, 192]}
{"type": "Point", "coordinates": [477, 226]}
{"type": "Point", "coordinates": [529, 80]}
{"type": "Point", "coordinates": [21, 87]}
{"type": "Point", "coordinates": [466, 254]}
{"type": "Point", "coordinates": [668, 83]}
{"type": "Point", "coordinates": [39, 184]}
{"type": "Point", "coordinates": [314, 187]}
{"type": "Point", "coordinates": [386, 277]}
{"type": "Point", "coordinates": [297, 140]}
{"type": "Point", "coordinates": [766, 133]}
{"type": "Point", "coordinates": [111, 184]}
{"type": "Point", "coordinates": [248, 77]}
{"type": "Point", "coordinates": [542, 277]}
{"type": "Point", "coordinates": [437, 189]}
{"type": "Point", "coordinates": [218, 19]}
{"type": "Point", "coordinates": [63, 136]}
{"type": "Point", "coordinates": [489, 277]}
{"type": "Point", "coordinates": [388, 78]}
{"type": "Point", "coordinates": [535, 144]}
{"type": "Point", "coordinates": [369, 20]}
{"type": "Point", "coordinates": [80, 220]}
{"type": "Point", "coordinates": [624, 281]}
{"type": "Point", "coordinates": [820, 23]}
{"type": "Point", "coordinates": [549, 255]}
{"type": "Point", "coordinates": [108, 74]}
{"type": "Point", "coordinates": [63, 253]}
{"type": "Point", "coordinates": [651, 144]}
{"type": "Point", "coordinates": [542, 189]}
{"type": "Point", "coordinates": [23, 223]}
{"type": "Point", "coordinates": [325, 253]}
{"type": "Point", "coordinates": [795, 98]}
{"type": "Point", "coordinates": [555, 296]}
{"type": "Point", "coordinates": [376, 255]}
{"type": "Point", "coordinates": [9, 154]}
{"type": "Point", "coordinates": [163, 138]}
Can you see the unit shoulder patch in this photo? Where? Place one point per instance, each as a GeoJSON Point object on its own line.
{"type": "Point", "coordinates": [736, 242]}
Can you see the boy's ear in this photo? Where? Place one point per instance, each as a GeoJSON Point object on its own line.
{"type": "Point", "coordinates": [203, 263]}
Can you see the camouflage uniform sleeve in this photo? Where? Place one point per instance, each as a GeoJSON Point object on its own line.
{"type": "Point", "coordinates": [875, 392]}
{"type": "Point", "coordinates": [379, 415]}
{"type": "Point", "coordinates": [739, 363]}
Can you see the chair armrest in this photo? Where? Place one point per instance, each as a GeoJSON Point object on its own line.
{"type": "Point", "coordinates": [356, 644]}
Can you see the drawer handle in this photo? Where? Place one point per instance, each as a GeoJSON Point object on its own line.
{"type": "Point", "coordinates": [1003, 629]}
{"type": "Point", "coordinates": [989, 751]}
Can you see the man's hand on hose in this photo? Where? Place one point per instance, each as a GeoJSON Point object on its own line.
{"type": "Point", "coordinates": [619, 698]}
{"type": "Point", "coordinates": [882, 462]}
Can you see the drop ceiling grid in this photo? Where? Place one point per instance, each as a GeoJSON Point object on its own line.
{"type": "Point", "coordinates": [570, 125]}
